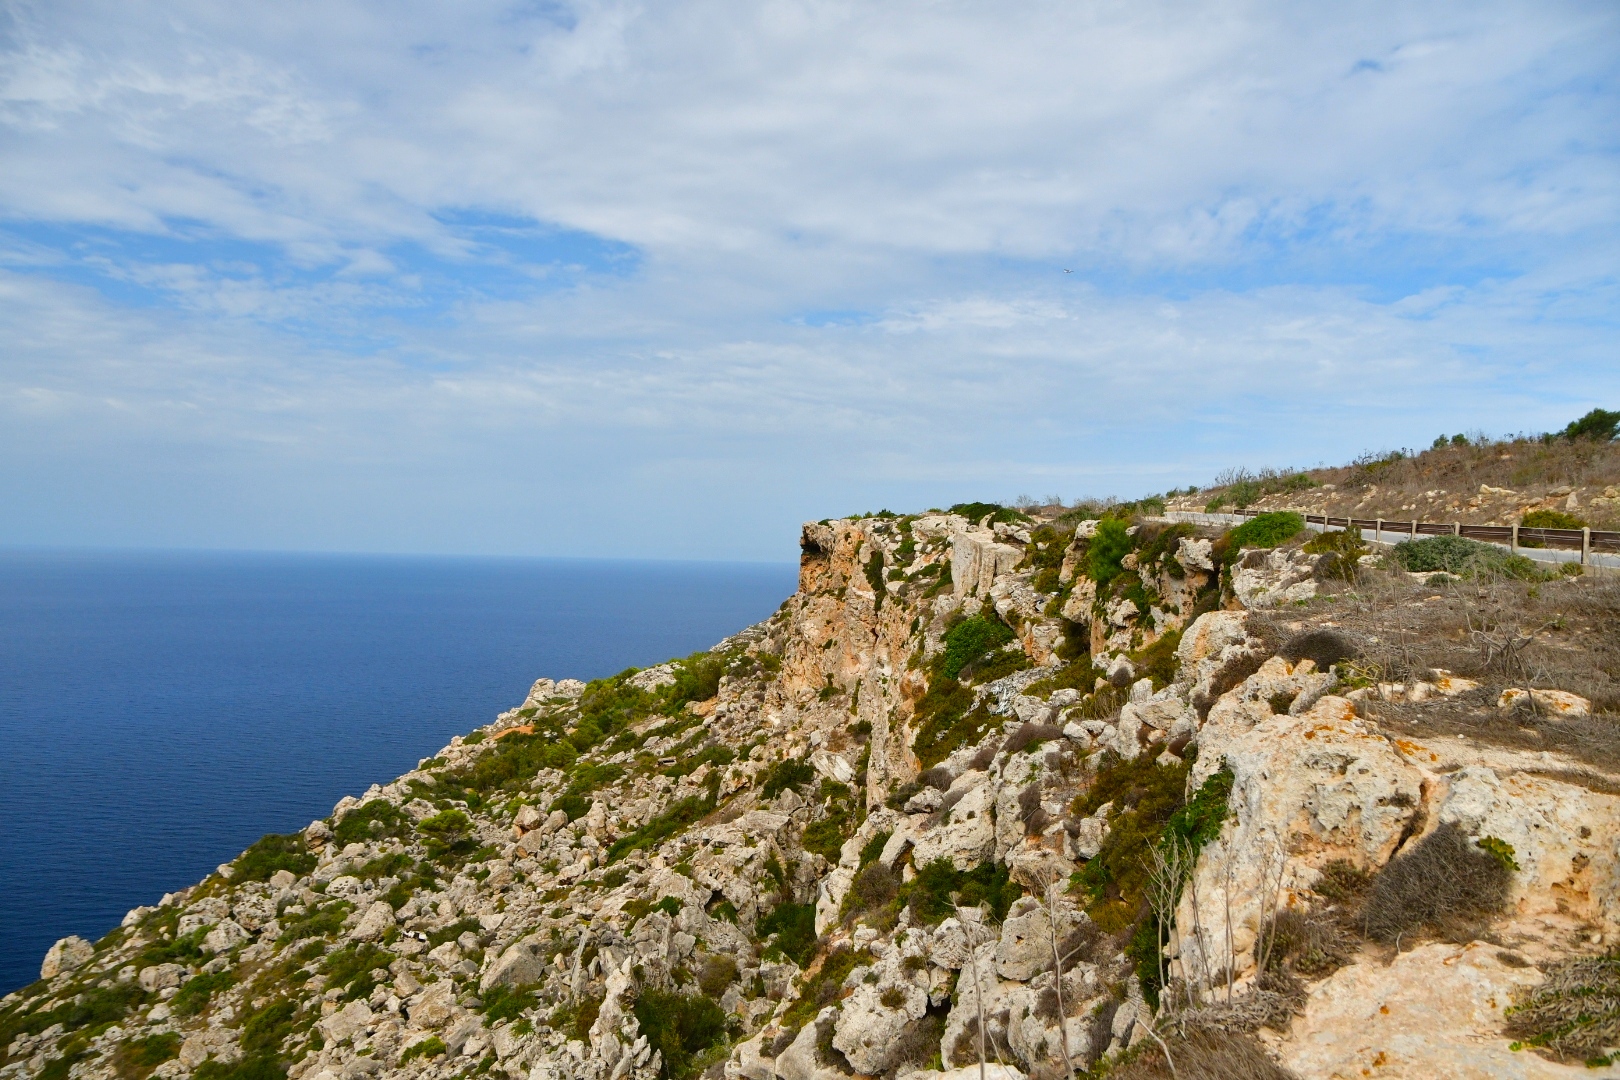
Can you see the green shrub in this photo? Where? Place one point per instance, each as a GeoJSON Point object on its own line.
{"type": "Point", "coordinates": [139, 1057]}
{"type": "Point", "coordinates": [1000, 664]}
{"type": "Point", "coordinates": [971, 639]}
{"type": "Point", "coordinates": [939, 888]}
{"type": "Point", "coordinates": [824, 987]}
{"type": "Point", "coordinates": [795, 928]}
{"type": "Point", "coordinates": [1077, 675]}
{"type": "Point", "coordinates": [678, 816]}
{"type": "Point", "coordinates": [1107, 550]}
{"type": "Point", "coordinates": [355, 968]}
{"type": "Point", "coordinates": [1599, 424]}
{"type": "Point", "coordinates": [638, 908]}
{"type": "Point", "coordinates": [1463, 558]}
{"type": "Point", "coordinates": [432, 1046]}
{"type": "Point", "coordinates": [697, 678]}
{"type": "Point", "coordinates": [1345, 547]}
{"type": "Point", "coordinates": [508, 1003]}
{"type": "Point", "coordinates": [788, 773]}
{"type": "Point", "coordinates": [195, 992]}
{"type": "Point", "coordinates": [874, 578]}
{"type": "Point", "coordinates": [978, 511]}
{"type": "Point", "coordinates": [945, 722]}
{"type": "Point", "coordinates": [317, 922]}
{"type": "Point", "coordinates": [1264, 531]}
{"type": "Point", "coordinates": [372, 821]}
{"type": "Point", "coordinates": [448, 836]}
{"type": "Point", "coordinates": [1550, 519]}
{"type": "Point", "coordinates": [271, 853]}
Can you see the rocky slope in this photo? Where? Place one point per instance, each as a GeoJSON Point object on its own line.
{"type": "Point", "coordinates": [1059, 796]}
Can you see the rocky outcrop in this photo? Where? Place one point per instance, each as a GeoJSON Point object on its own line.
{"type": "Point", "coordinates": [551, 897]}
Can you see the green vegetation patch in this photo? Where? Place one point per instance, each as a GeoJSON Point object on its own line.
{"type": "Point", "coordinates": [940, 888]}
{"type": "Point", "coordinates": [508, 1003]}
{"type": "Point", "coordinates": [374, 820]}
{"type": "Point", "coordinates": [1573, 1014]}
{"type": "Point", "coordinates": [138, 1057]}
{"type": "Point", "coordinates": [1463, 558]}
{"type": "Point", "coordinates": [430, 1047]}
{"type": "Point", "coordinates": [357, 969]}
{"type": "Point", "coordinates": [795, 928]}
{"type": "Point", "coordinates": [193, 995]}
{"type": "Point", "coordinates": [271, 853]}
{"type": "Point", "coordinates": [1264, 531]}
{"type": "Point", "coordinates": [676, 818]}
{"type": "Point", "coordinates": [1106, 553]}
{"type": "Point", "coordinates": [448, 836]}
{"type": "Point", "coordinates": [680, 1027]}
{"type": "Point", "coordinates": [788, 773]}
{"type": "Point", "coordinates": [971, 639]}
{"type": "Point", "coordinates": [978, 511]}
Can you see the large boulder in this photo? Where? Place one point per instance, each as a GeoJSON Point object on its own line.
{"type": "Point", "coordinates": [68, 954]}
{"type": "Point", "coordinates": [1306, 790]}
{"type": "Point", "coordinates": [1268, 578]}
{"type": "Point", "coordinates": [968, 835]}
{"type": "Point", "coordinates": [377, 920]}
{"type": "Point", "coordinates": [977, 559]}
{"type": "Point", "coordinates": [1025, 948]}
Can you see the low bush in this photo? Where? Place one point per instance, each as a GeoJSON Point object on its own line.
{"type": "Point", "coordinates": [357, 969]}
{"type": "Point", "coordinates": [875, 887]}
{"type": "Point", "coordinates": [1031, 735]}
{"type": "Point", "coordinates": [1572, 1015]}
{"type": "Point", "coordinates": [1324, 647]}
{"type": "Point", "coordinates": [679, 1026]}
{"type": "Point", "coordinates": [1550, 519]}
{"type": "Point", "coordinates": [978, 511]}
{"type": "Point", "coordinates": [1444, 884]}
{"type": "Point", "coordinates": [1264, 531]}
{"type": "Point", "coordinates": [969, 640]}
{"type": "Point", "coordinates": [271, 853]}
{"type": "Point", "coordinates": [940, 888]}
{"type": "Point", "coordinates": [374, 820]}
{"type": "Point", "coordinates": [194, 993]}
{"type": "Point", "coordinates": [1344, 548]}
{"type": "Point", "coordinates": [789, 773]}
{"type": "Point", "coordinates": [676, 817]}
{"type": "Point", "coordinates": [448, 836]}
{"type": "Point", "coordinates": [430, 1047]}
{"type": "Point", "coordinates": [138, 1057]}
{"type": "Point", "coordinates": [508, 1003]}
{"type": "Point", "coordinates": [1201, 1055]}
{"type": "Point", "coordinates": [719, 972]}
{"type": "Point", "coordinates": [795, 928]}
{"type": "Point", "coordinates": [1462, 557]}
{"type": "Point", "coordinates": [1108, 548]}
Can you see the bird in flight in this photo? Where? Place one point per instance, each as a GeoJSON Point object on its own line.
{"type": "Point", "coordinates": [1068, 271]}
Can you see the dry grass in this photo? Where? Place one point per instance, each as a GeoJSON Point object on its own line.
{"type": "Point", "coordinates": [1440, 484]}
{"type": "Point", "coordinates": [1562, 635]}
{"type": "Point", "coordinates": [1443, 884]}
{"type": "Point", "coordinates": [1574, 1015]}
{"type": "Point", "coordinates": [1204, 1055]}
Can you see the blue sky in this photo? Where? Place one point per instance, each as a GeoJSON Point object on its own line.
{"type": "Point", "coordinates": [665, 280]}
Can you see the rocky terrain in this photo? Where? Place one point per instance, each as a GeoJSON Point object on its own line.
{"type": "Point", "coordinates": [1478, 482]}
{"type": "Point", "coordinates": [991, 794]}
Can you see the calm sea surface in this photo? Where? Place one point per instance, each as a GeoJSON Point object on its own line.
{"type": "Point", "coordinates": [160, 712]}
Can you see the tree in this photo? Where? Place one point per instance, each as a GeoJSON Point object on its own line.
{"type": "Point", "coordinates": [1600, 425]}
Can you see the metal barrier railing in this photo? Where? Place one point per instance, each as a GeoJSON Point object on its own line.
{"type": "Point", "coordinates": [1586, 541]}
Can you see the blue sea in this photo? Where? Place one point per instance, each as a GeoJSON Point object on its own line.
{"type": "Point", "coordinates": [160, 712]}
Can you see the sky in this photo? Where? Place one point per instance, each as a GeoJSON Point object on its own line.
{"type": "Point", "coordinates": [664, 280]}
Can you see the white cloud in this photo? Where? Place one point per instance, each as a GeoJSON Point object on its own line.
{"type": "Point", "coordinates": [1296, 231]}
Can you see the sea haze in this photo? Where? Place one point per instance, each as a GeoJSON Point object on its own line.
{"type": "Point", "coordinates": [160, 712]}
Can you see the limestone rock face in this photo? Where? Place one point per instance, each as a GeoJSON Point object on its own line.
{"type": "Point", "coordinates": [968, 836]}
{"type": "Point", "coordinates": [519, 965]}
{"type": "Point", "coordinates": [977, 558]}
{"type": "Point", "coordinates": [68, 954]}
{"type": "Point", "coordinates": [1268, 578]}
{"type": "Point", "coordinates": [1306, 790]}
{"type": "Point", "coordinates": [1434, 1011]}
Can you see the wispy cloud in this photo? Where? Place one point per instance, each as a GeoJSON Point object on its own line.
{"type": "Point", "coordinates": [405, 270]}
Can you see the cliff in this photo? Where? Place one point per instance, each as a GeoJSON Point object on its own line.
{"type": "Point", "coordinates": [1063, 796]}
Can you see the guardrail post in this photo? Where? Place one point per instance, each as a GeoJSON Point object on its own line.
{"type": "Point", "coordinates": [1456, 528]}
{"type": "Point", "coordinates": [1514, 545]}
{"type": "Point", "coordinates": [1378, 531]}
{"type": "Point", "coordinates": [1414, 530]}
{"type": "Point", "coordinates": [1586, 545]}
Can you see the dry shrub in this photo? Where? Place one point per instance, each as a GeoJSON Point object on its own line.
{"type": "Point", "coordinates": [1443, 883]}
{"type": "Point", "coordinates": [1323, 646]}
{"type": "Point", "coordinates": [873, 888]}
{"type": "Point", "coordinates": [986, 755]}
{"type": "Point", "coordinates": [1574, 1015]}
{"type": "Point", "coordinates": [719, 972]}
{"type": "Point", "coordinates": [1204, 1055]}
{"type": "Point", "coordinates": [1029, 734]}
{"type": "Point", "coordinates": [938, 777]}
{"type": "Point", "coordinates": [1307, 941]}
{"type": "Point", "coordinates": [1031, 812]}
{"type": "Point", "coordinates": [917, 1043]}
